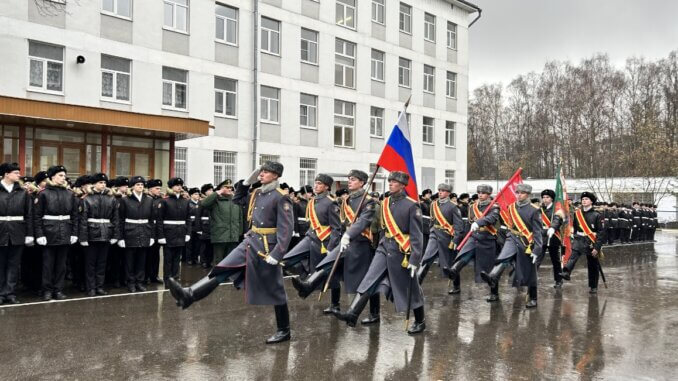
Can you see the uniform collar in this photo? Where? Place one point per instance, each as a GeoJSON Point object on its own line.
{"type": "Point", "coordinates": [398, 196]}
{"type": "Point", "coordinates": [356, 193]}
{"type": "Point", "coordinates": [269, 187]}
{"type": "Point", "coordinates": [320, 195]}
{"type": "Point", "coordinates": [444, 200]}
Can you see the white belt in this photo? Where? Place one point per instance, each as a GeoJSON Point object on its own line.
{"type": "Point", "coordinates": [614, 219]}
{"type": "Point", "coordinates": [465, 218]}
{"type": "Point", "coordinates": [205, 218]}
{"type": "Point", "coordinates": [582, 234]}
{"type": "Point", "coordinates": [131, 221]}
{"type": "Point", "coordinates": [301, 219]}
{"type": "Point", "coordinates": [56, 218]}
{"type": "Point", "coordinates": [99, 220]}
{"type": "Point", "coordinates": [174, 222]}
{"type": "Point", "coordinates": [193, 217]}
{"type": "Point", "coordinates": [429, 217]}
{"type": "Point", "coordinates": [503, 227]}
{"type": "Point", "coordinates": [11, 218]}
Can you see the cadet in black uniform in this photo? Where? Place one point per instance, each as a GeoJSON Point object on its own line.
{"type": "Point", "coordinates": [174, 221]}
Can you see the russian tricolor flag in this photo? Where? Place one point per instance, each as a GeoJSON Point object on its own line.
{"type": "Point", "coordinates": [397, 154]}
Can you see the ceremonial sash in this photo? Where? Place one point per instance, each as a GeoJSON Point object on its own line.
{"type": "Point", "coordinates": [392, 228]}
{"type": "Point", "coordinates": [321, 231]}
{"type": "Point", "coordinates": [547, 222]}
{"type": "Point", "coordinates": [250, 207]}
{"type": "Point", "coordinates": [519, 223]}
{"type": "Point", "coordinates": [584, 226]}
{"type": "Point", "coordinates": [438, 214]}
{"type": "Point", "coordinates": [348, 212]}
{"type": "Point", "coordinates": [478, 214]}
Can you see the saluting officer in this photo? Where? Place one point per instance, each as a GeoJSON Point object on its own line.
{"type": "Point", "coordinates": [174, 222]}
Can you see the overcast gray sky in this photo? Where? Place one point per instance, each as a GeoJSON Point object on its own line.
{"type": "Point", "coordinates": [518, 36]}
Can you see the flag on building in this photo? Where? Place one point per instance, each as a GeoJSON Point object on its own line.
{"type": "Point", "coordinates": [397, 154]}
{"type": "Point", "coordinates": [561, 204]}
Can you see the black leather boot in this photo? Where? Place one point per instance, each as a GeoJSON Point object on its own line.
{"type": "Point", "coordinates": [282, 319]}
{"type": "Point", "coordinates": [532, 293]}
{"type": "Point", "coordinates": [456, 269]}
{"type": "Point", "coordinates": [494, 294]}
{"type": "Point", "coordinates": [456, 286]}
{"type": "Point", "coordinates": [307, 286]}
{"type": "Point", "coordinates": [333, 309]}
{"type": "Point", "coordinates": [492, 278]}
{"type": "Point", "coordinates": [357, 305]}
{"type": "Point", "coordinates": [567, 269]}
{"type": "Point", "coordinates": [186, 296]}
{"type": "Point", "coordinates": [373, 317]}
{"type": "Point", "coordinates": [422, 271]}
{"type": "Point", "coordinates": [419, 322]}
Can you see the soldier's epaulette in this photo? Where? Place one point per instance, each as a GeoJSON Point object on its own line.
{"type": "Point", "coordinates": [332, 198]}
{"type": "Point", "coordinates": [535, 206]}
{"type": "Point", "coordinates": [281, 191]}
{"type": "Point", "coordinates": [411, 199]}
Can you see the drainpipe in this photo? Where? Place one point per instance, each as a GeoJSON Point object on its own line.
{"type": "Point", "coordinates": [480, 11]}
{"type": "Point", "coordinates": [255, 84]}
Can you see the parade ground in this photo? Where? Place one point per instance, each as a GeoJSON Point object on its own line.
{"type": "Point", "coordinates": [627, 331]}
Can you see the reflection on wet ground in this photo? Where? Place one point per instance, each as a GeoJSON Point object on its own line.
{"type": "Point", "coordinates": [627, 331]}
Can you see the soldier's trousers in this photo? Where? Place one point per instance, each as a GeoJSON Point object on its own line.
{"type": "Point", "coordinates": [95, 264]}
{"type": "Point", "coordinates": [31, 267]}
{"type": "Point", "coordinates": [54, 267]}
{"type": "Point", "coordinates": [591, 262]}
{"type": "Point", "coordinates": [193, 248]}
{"type": "Point", "coordinates": [135, 264]}
{"type": "Point", "coordinates": [220, 250]}
{"type": "Point", "coordinates": [153, 262]}
{"type": "Point", "coordinates": [171, 258]}
{"type": "Point", "coordinates": [10, 262]}
{"type": "Point", "coordinates": [554, 253]}
{"type": "Point", "coordinates": [206, 252]}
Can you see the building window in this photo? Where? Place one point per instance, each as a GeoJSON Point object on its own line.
{"type": "Point", "coordinates": [309, 46]}
{"type": "Point", "coordinates": [405, 23]}
{"type": "Point", "coordinates": [378, 11]}
{"type": "Point", "coordinates": [451, 35]}
{"type": "Point", "coordinates": [450, 128]}
{"type": "Point", "coordinates": [344, 124]}
{"type": "Point", "coordinates": [180, 163]}
{"type": "Point", "coordinates": [449, 178]}
{"type": "Point", "coordinates": [429, 79]}
{"type": "Point", "coordinates": [346, 13]}
{"type": "Point", "coordinates": [307, 170]}
{"type": "Point", "coordinates": [270, 104]}
{"type": "Point", "coordinates": [225, 164]}
{"type": "Point", "coordinates": [377, 122]}
{"type": "Point", "coordinates": [451, 86]}
{"type": "Point", "coordinates": [379, 180]}
{"type": "Point", "coordinates": [115, 78]}
{"type": "Point", "coordinates": [270, 36]}
{"type": "Point", "coordinates": [225, 96]}
{"type": "Point", "coordinates": [344, 66]}
{"type": "Point", "coordinates": [264, 158]}
{"type": "Point", "coordinates": [427, 129]}
{"type": "Point", "coordinates": [227, 24]}
{"type": "Point", "coordinates": [46, 67]}
{"type": "Point", "coordinates": [377, 65]}
{"type": "Point", "coordinates": [176, 15]}
{"type": "Point", "coordinates": [121, 8]}
{"type": "Point", "coordinates": [174, 87]}
{"type": "Point", "coordinates": [429, 27]}
{"type": "Point", "coordinates": [308, 111]}
{"type": "Point", "coordinates": [404, 72]}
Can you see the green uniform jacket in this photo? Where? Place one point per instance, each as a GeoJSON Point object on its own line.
{"type": "Point", "coordinates": [225, 218]}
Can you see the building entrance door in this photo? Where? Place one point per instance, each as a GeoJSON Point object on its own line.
{"type": "Point", "coordinates": [132, 162]}
{"type": "Point", "coordinates": [71, 156]}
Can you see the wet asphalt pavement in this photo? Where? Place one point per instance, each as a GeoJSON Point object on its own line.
{"type": "Point", "coordinates": [628, 331]}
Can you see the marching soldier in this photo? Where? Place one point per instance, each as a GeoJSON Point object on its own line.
{"type": "Point", "coordinates": [425, 204]}
{"type": "Point", "coordinates": [523, 245]}
{"type": "Point", "coordinates": [445, 236]}
{"type": "Point", "coordinates": [255, 263]}
{"type": "Point", "coordinates": [193, 247]}
{"type": "Point", "coordinates": [589, 236]}
{"type": "Point", "coordinates": [206, 253]}
{"type": "Point", "coordinates": [174, 224]}
{"type": "Point", "coordinates": [552, 221]}
{"type": "Point", "coordinates": [354, 247]}
{"type": "Point", "coordinates": [136, 232]}
{"type": "Point", "coordinates": [98, 230]}
{"type": "Point", "coordinates": [56, 226]}
{"type": "Point", "coordinates": [16, 229]}
{"type": "Point", "coordinates": [482, 244]}
{"type": "Point", "coordinates": [395, 263]}
{"type": "Point", "coordinates": [154, 187]}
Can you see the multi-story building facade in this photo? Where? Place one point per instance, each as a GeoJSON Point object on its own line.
{"type": "Point", "coordinates": [208, 89]}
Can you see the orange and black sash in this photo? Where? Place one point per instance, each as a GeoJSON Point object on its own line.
{"type": "Point", "coordinates": [321, 231]}
{"type": "Point", "coordinates": [348, 212]}
{"type": "Point", "coordinates": [519, 223]}
{"type": "Point", "coordinates": [476, 211]}
{"type": "Point", "coordinates": [250, 207]}
{"type": "Point", "coordinates": [584, 226]}
{"type": "Point", "coordinates": [440, 218]}
{"type": "Point", "coordinates": [392, 228]}
{"type": "Point", "coordinates": [547, 222]}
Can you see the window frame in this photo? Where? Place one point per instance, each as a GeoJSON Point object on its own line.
{"type": "Point", "coordinates": [226, 19]}
{"type": "Point", "coordinates": [428, 26]}
{"type": "Point", "coordinates": [453, 33]}
{"type": "Point", "coordinates": [224, 165]}
{"type": "Point", "coordinates": [429, 77]}
{"type": "Point", "coordinates": [425, 133]}
{"type": "Point", "coordinates": [45, 63]}
{"type": "Point", "coordinates": [343, 54]}
{"type": "Point", "coordinates": [174, 84]}
{"type": "Point", "coordinates": [375, 63]}
{"type": "Point", "coordinates": [269, 32]}
{"type": "Point", "coordinates": [450, 135]}
{"type": "Point", "coordinates": [309, 43]}
{"type": "Point", "coordinates": [174, 5]}
{"type": "Point", "coordinates": [308, 106]}
{"type": "Point", "coordinates": [224, 101]}
{"type": "Point", "coordinates": [115, 73]}
{"type": "Point", "coordinates": [268, 109]}
{"type": "Point", "coordinates": [115, 8]}
{"type": "Point", "coordinates": [344, 127]}
{"type": "Point", "coordinates": [402, 18]}
{"type": "Point", "coordinates": [375, 12]}
{"type": "Point", "coordinates": [181, 158]}
{"type": "Point", "coordinates": [345, 6]}
{"type": "Point", "coordinates": [449, 81]}
{"type": "Point", "coordinates": [448, 178]}
{"type": "Point", "coordinates": [403, 69]}
{"type": "Point", "coordinates": [306, 172]}
{"type": "Point", "coordinates": [376, 120]}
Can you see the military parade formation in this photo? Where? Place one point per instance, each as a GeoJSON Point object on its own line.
{"type": "Point", "coordinates": [102, 232]}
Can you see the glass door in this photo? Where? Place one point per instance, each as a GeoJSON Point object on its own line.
{"type": "Point", "coordinates": [71, 156]}
{"type": "Point", "coordinates": [132, 162]}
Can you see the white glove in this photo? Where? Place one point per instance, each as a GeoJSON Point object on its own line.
{"type": "Point", "coordinates": [474, 226]}
{"type": "Point", "coordinates": [28, 241]}
{"type": "Point", "coordinates": [413, 270]}
{"type": "Point", "coordinates": [121, 244]}
{"type": "Point", "coordinates": [345, 240]}
{"type": "Point", "coordinates": [271, 261]}
{"type": "Point", "coordinates": [534, 259]}
{"type": "Point", "coordinates": [151, 242]}
{"type": "Point", "coordinates": [162, 241]}
{"type": "Point", "coordinates": [253, 177]}
{"type": "Point", "coordinates": [42, 241]}
{"type": "Point", "coordinates": [295, 234]}
{"type": "Point", "coordinates": [187, 238]}
{"type": "Point", "coordinates": [199, 233]}
{"type": "Point", "coordinates": [113, 241]}
{"type": "Point", "coordinates": [551, 232]}
{"type": "Point", "coordinates": [84, 244]}
{"type": "Point", "coordinates": [74, 239]}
